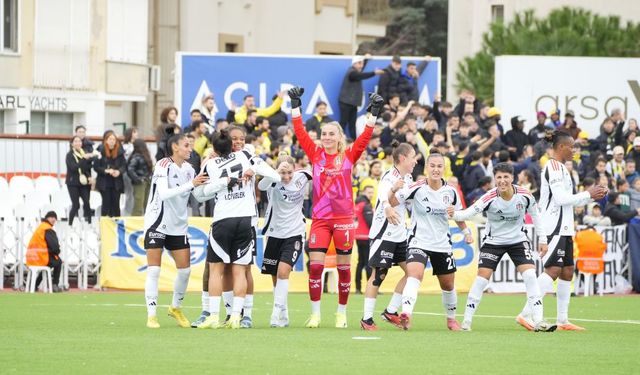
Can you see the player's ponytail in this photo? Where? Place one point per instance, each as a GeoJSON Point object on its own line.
{"type": "Point", "coordinates": [556, 137]}
{"type": "Point", "coordinates": [221, 142]}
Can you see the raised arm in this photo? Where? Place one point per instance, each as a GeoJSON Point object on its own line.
{"type": "Point", "coordinates": [306, 142]}
{"type": "Point", "coordinates": [476, 208]}
{"type": "Point", "coordinates": [554, 175]}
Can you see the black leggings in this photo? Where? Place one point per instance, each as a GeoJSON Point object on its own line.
{"type": "Point", "coordinates": [363, 259]}
{"type": "Point", "coordinates": [75, 193]}
{"type": "Point", "coordinates": [110, 202]}
{"type": "Point", "coordinates": [348, 117]}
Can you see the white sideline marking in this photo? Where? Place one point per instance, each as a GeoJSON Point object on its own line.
{"type": "Point", "coordinates": [366, 338]}
{"type": "Point", "coordinates": [633, 322]}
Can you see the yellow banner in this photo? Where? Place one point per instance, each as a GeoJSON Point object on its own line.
{"type": "Point", "coordinates": [124, 260]}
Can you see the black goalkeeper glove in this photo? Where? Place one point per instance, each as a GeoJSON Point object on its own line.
{"type": "Point", "coordinates": [294, 94]}
{"type": "Point", "coordinates": [375, 104]}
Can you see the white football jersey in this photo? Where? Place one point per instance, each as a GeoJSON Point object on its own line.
{"type": "Point", "coordinates": [505, 219]}
{"type": "Point", "coordinates": [284, 217]}
{"type": "Point", "coordinates": [381, 228]}
{"type": "Point", "coordinates": [429, 219]}
{"type": "Point", "coordinates": [240, 200]}
{"type": "Point", "coordinates": [557, 199]}
{"type": "Point", "coordinates": [168, 198]}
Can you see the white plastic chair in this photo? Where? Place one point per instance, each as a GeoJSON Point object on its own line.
{"type": "Point", "coordinates": [38, 198]}
{"type": "Point", "coordinates": [28, 211]}
{"type": "Point", "coordinates": [61, 198]}
{"type": "Point", "coordinates": [32, 276]}
{"type": "Point", "coordinates": [47, 184]}
{"type": "Point", "coordinates": [95, 199]}
{"type": "Point", "coordinates": [21, 185]}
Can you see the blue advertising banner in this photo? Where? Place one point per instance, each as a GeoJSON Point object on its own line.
{"type": "Point", "coordinates": [229, 77]}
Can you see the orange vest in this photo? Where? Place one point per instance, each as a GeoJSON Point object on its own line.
{"type": "Point", "coordinates": [591, 249]}
{"type": "Point", "coordinates": [37, 251]}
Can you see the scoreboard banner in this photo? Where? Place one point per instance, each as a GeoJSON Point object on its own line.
{"type": "Point", "coordinates": [124, 262]}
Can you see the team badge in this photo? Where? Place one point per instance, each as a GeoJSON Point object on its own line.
{"type": "Point", "coordinates": [297, 245]}
{"type": "Point", "coordinates": [446, 199]}
{"type": "Point", "coordinates": [519, 207]}
{"type": "Point", "coordinates": [313, 238]}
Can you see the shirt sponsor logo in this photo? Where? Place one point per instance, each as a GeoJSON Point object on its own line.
{"type": "Point", "coordinates": [344, 226]}
{"type": "Point", "coordinates": [489, 256]}
{"type": "Point", "coordinates": [386, 254]}
{"type": "Point", "coordinates": [417, 252]}
{"type": "Point", "coordinates": [271, 262]}
{"type": "Point", "coordinates": [156, 235]}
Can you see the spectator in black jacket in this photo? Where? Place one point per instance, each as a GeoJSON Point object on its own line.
{"type": "Point", "coordinates": [390, 80]}
{"type": "Point", "coordinates": [110, 168]}
{"type": "Point", "coordinates": [610, 136]}
{"type": "Point", "coordinates": [351, 93]}
{"type": "Point", "coordinates": [87, 145]}
{"type": "Point", "coordinates": [442, 111]}
{"type": "Point", "coordinates": [472, 174]}
{"type": "Point", "coordinates": [538, 132]}
{"type": "Point", "coordinates": [140, 170]}
{"type": "Point", "coordinates": [615, 212]}
{"type": "Point", "coordinates": [78, 164]}
{"type": "Point", "coordinates": [516, 138]}
{"type": "Point", "coordinates": [318, 118]}
{"type": "Point", "coordinates": [635, 153]}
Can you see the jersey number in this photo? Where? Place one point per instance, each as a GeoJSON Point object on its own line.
{"type": "Point", "coordinates": [233, 169]}
{"type": "Point", "coordinates": [450, 263]}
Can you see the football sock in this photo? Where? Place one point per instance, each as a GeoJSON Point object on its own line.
{"type": "Point", "coordinates": [180, 286]}
{"type": "Point", "coordinates": [369, 306]}
{"type": "Point", "coordinates": [474, 297]}
{"type": "Point", "coordinates": [214, 305]}
{"type": "Point", "coordinates": [151, 289]}
{"type": "Point", "coordinates": [344, 283]}
{"type": "Point", "coordinates": [563, 296]}
{"type": "Point", "coordinates": [534, 296]}
{"type": "Point", "coordinates": [394, 303]}
{"type": "Point", "coordinates": [280, 295]}
{"type": "Point", "coordinates": [205, 301]}
{"type": "Point", "coordinates": [238, 304]}
{"type": "Point", "coordinates": [410, 295]}
{"type": "Point", "coordinates": [545, 282]}
{"type": "Point", "coordinates": [227, 298]}
{"type": "Point", "coordinates": [315, 280]}
{"type": "Point", "coordinates": [450, 302]}
{"type": "Point", "coordinates": [248, 305]}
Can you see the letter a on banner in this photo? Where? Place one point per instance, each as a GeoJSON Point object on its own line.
{"type": "Point", "coordinates": [424, 98]}
{"type": "Point", "coordinates": [318, 95]}
{"type": "Point", "coordinates": [202, 92]}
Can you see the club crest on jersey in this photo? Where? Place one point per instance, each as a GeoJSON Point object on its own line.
{"type": "Point", "coordinates": [446, 199]}
{"type": "Point", "coordinates": [297, 245]}
{"type": "Point", "coordinates": [519, 207]}
{"type": "Point", "coordinates": [298, 184]}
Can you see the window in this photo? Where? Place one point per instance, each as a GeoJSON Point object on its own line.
{"type": "Point", "coordinates": [51, 123]}
{"type": "Point", "coordinates": [230, 47]}
{"type": "Point", "coordinates": [9, 30]}
{"type": "Point", "coordinates": [497, 13]}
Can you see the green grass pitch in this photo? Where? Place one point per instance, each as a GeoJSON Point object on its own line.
{"type": "Point", "coordinates": [105, 333]}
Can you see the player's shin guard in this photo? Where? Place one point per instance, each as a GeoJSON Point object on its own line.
{"type": "Point", "coordinates": [474, 298]}
{"type": "Point", "coordinates": [534, 296]}
{"type": "Point", "coordinates": [410, 295]}
{"type": "Point", "coordinates": [450, 302]}
{"type": "Point", "coordinates": [563, 296]}
{"type": "Point", "coordinates": [180, 286]}
{"type": "Point", "coordinates": [344, 284]}
{"type": "Point", "coordinates": [545, 282]}
{"type": "Point", "coordinates": [151, 289]}
{"type": "Point", "coordinates": [315, 280]}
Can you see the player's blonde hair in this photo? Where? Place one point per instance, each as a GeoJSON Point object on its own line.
{"type": "Point", "coordinates": [342, 143]}
{"type": "Point", "coordinates": [284, 157]}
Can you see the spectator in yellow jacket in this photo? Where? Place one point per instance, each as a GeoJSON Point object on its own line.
{"type": "Point", "coordinates": [250, 103]}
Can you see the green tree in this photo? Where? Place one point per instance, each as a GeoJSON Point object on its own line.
{"type": "Point", "coordinates": [565, 32]}
{"type": "Point", "coordinates": [416, 28]}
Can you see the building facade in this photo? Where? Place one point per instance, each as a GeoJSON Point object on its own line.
{"type": "Point", "coordinates": [109, 64]}
{"type": "Point", "coordinates": [469, 20]}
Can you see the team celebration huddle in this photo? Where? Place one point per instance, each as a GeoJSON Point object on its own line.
{"type": "Point", "coordinates": [229, 176]}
